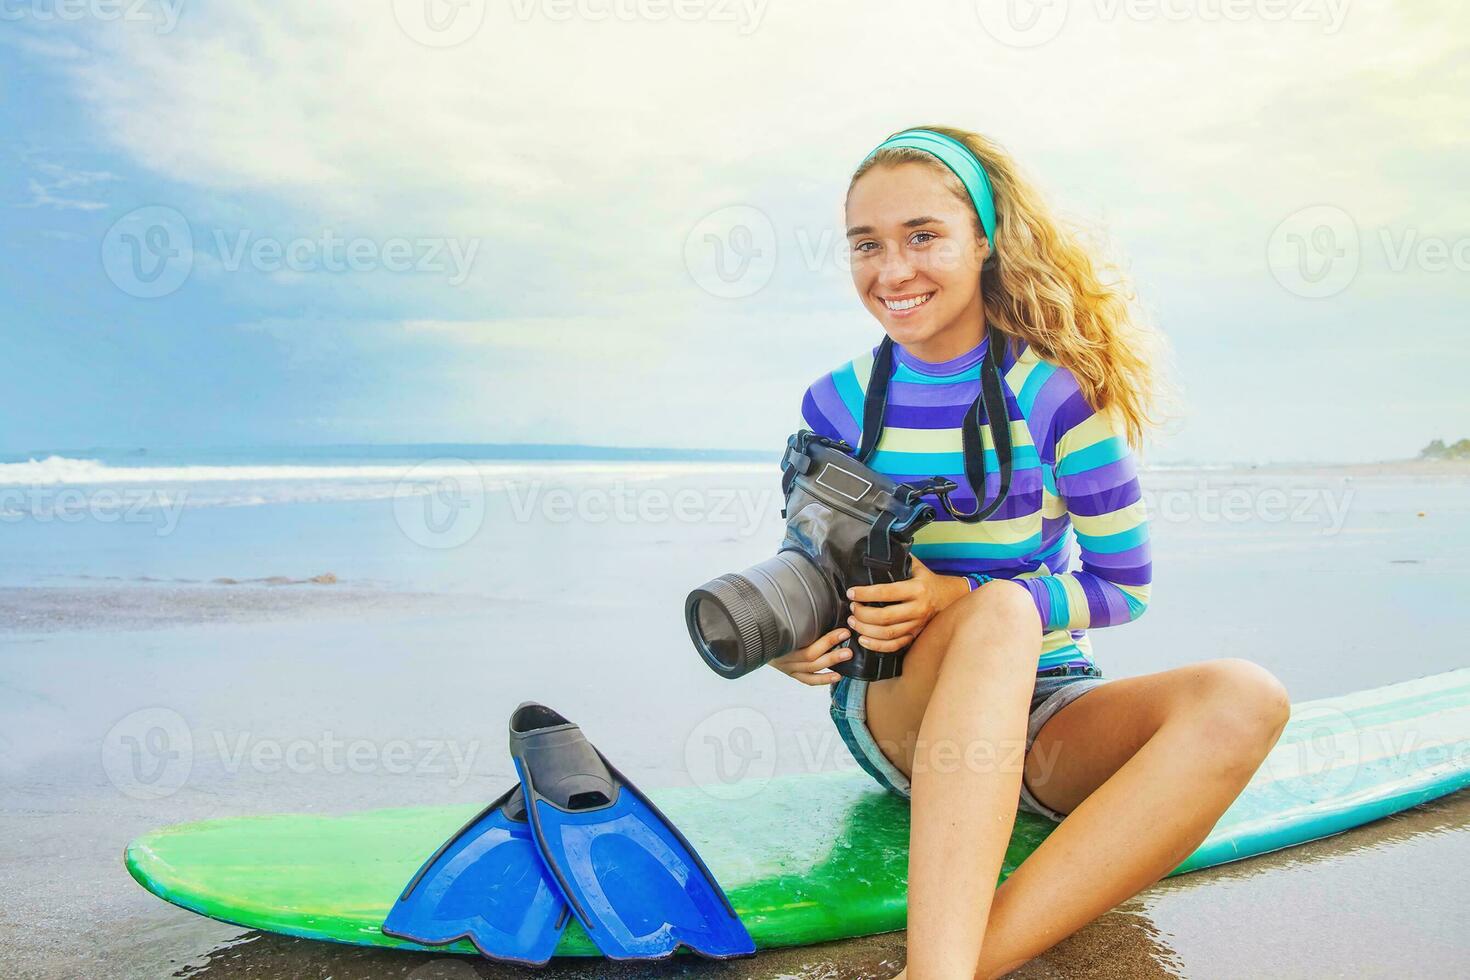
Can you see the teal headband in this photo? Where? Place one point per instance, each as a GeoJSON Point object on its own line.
{"type": "Point", "coordinates": [958, 158]}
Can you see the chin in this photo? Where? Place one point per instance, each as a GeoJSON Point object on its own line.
{"type": "Point", "coordinates": [903, 334]}
{"type": "Point", "coordinates": [906, 332]}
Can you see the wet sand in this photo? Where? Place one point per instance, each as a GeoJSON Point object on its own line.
{"type": "Point", "coordinates": [52, 609]}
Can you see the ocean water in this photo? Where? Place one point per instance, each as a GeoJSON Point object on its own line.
{"type": "Point", "coordinates": [1333, 569]}
{"type": "Point", "coordinates": [269, 608]}
{"type": "Point", "coordinates": [397, 517]}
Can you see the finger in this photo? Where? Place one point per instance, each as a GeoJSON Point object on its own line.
{"type": "Point", "coordinates": [830, 659]}
{"type": "Point", "coordinates": [818, 680]}
{"type": "Point", "coordinates": [885, 591]}
{"type": "Point", "coordinates": [823, 644]}
{"type": "Point", "coordinates": [804, 659]}
{"type": "Point", "coordinates": [898, 630]}
{"type": "Point", "coordinates": [882, 632]}
{"type": "Point", "coordinates": [899, 612]}
{"type": "Point", "coordinates": [815, 671]}
{"type": "Point", "coordinates": [886, 646]}
{"type": "Point", "coordinates": [801, 670]}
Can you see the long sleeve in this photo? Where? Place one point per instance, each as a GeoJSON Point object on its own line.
{"type": "Point", "coordinates": [1093, 483]}
{"type": "Point", "coordinates": [824, 412]}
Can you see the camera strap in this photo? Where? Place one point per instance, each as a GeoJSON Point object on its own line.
{"type": "Point", "coordinates": [991, 398]}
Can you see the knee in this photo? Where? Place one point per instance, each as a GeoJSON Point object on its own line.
{"type": "Point", "coordinates": [1000, 620]}
{"type": "Point", "coordinates": [1001, 605]}
{"type": "Point", "coordinates": [988, 629]}
{"type": "Point", "coordinates": [1240, 708]}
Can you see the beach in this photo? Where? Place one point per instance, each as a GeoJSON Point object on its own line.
{"type": "Point", "coordinates": [334, 633]}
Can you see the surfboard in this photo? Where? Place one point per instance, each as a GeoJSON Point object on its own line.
{"type": "Point", "coordinates": [811, 858]}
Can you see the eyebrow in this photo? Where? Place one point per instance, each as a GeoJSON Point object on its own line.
{"type": "Point", "coordinates": [911, 223]}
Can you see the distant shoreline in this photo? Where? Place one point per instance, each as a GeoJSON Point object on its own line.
{"type": "Point", "coordinates": [1395, 467]}
{"type": "Point", "coordinates": [347, 456]}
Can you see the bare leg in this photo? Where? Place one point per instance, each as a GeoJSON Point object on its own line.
{"type": "Point", "coordinates": [963, 812]}
{"type": "Point", "coordinates": [1212, 725]}
{"type": "Point", "coordinates": [1146, 766]}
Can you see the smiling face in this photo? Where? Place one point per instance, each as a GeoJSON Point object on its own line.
{"type": "Point", "coordinates": [916, 259]}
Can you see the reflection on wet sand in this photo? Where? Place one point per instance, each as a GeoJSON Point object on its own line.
{"type": "Point", "coordinates": [1379, 900]}
{"type": "Point", "coordinates": [1446, 815]}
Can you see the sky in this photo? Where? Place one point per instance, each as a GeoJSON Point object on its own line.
{"type": "Point", "coordinates": [618, 222]}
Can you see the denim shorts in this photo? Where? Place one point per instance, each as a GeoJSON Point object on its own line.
{"type": "Point", "coordinates": [1055, 689]}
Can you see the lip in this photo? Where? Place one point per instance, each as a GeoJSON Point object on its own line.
{"type": "Point", "coordinates": [903, 314]}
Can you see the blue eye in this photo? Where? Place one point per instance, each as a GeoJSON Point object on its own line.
{"type": "Point", "coordinates": [917, 234]}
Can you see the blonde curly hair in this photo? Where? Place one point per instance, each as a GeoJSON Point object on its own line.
{"type": "Point", "coordinates": [1042, 285]}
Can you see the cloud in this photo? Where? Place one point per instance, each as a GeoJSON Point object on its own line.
{"type": "Point", "coordinates": [51, 48]}
{"type": "Point", "coordinates": [582, 153]}
{"type": "Point", "coordinates": [614, 380]}
{"type": "Point", "coordinates": [54, 178]}
{"type": "Point", "coordinates": [595, 144]}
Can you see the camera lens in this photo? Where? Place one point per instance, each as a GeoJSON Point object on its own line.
{"type": "Point", "coordinates": [744, 620]}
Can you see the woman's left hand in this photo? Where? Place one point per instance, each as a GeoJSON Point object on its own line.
{"type": "Point", "coordinates": [911, 604]}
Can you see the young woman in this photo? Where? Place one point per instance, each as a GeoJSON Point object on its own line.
{"type": "Point", "coordinates": [999, 699]}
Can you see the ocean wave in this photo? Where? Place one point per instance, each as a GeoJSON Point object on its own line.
{"type": "Point", "coordinates": [65, 471]}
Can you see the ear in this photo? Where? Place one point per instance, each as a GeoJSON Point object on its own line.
{"type": "Point", "coordinates": [982, 245]}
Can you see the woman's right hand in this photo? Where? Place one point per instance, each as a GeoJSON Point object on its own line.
{"type": "Point", "coordinates": [809, 664]}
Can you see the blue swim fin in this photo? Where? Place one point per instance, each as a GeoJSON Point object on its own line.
{"type": "Point", "coordinates": [485, 884]}
{"type": "Point", "coordinates": [631, 879]}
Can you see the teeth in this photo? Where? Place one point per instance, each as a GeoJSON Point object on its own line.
{"type": "Point", "coordinates": [907, 304]}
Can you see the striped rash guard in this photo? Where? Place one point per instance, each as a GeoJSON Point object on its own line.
{"type": "Point", "coordinates": [1073, 475]}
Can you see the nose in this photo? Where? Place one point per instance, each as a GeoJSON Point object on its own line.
{"type": "Point", "coordinates": [895, 268]}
